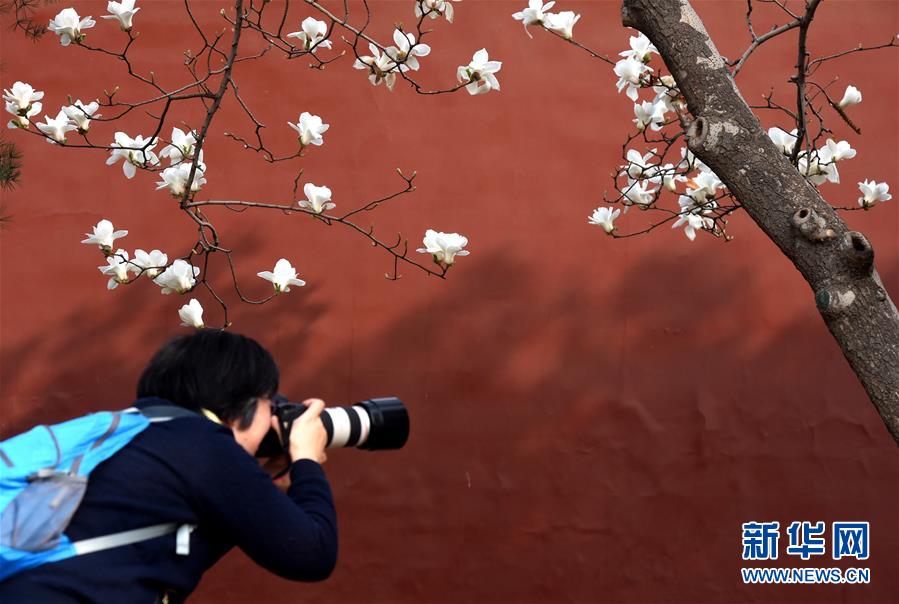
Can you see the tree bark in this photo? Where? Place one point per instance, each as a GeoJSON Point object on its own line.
{"type": "Point", "coordinates": [837, 263]}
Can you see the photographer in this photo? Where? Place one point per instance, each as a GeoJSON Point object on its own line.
{"type": "Point", "coordinates": [197, 470]}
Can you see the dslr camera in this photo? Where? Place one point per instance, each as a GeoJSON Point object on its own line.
{"type": "Point", "coordinates": [373, 424]}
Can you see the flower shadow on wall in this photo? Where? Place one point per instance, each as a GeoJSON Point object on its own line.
{"type": "Point", "coordinates": [557, 421]}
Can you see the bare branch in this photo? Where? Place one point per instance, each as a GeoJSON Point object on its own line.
{"type": "Point", "coordinates": [799, 79]}
{"type": "Point", "coordinates": [758, 41]}
{"type": "Point", "coordinates": [816, 63]}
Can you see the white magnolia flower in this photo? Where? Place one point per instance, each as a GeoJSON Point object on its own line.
{"type": "Point", "coordinates": [21, 121]}
{"type": "Point", "coordinates": [150, 264]}
{"type": "Point", "coordinates": [124, 11]}
{"type": "Point", "coordinates": [381, 67]}
{"type": "Point", "coordinates": [604, 217]}
{"type": "Point", "coordinates": [829, 172]}
{"type": "Point", "coordinates": [630, 74]}
{"type": "Point", "coordinates": [182, 147]}
{"type": "Point", "coordinates": [641, 49]}
{"type": "Point", "coordinates": [318, 199]}
{"type": "Point", "coordinates": [638, 192]}
{"type": "Point", "coordinates": [174, 178]}
{"type": "Point", "coordinates": [20, 97]}
{"type": "Point", "coordinates": [667, 175]}
{"type": "Point", "coordinates": [534, 14]}
{"type": "Point", "coordinates": [283, 276]}
{"type": "Point", "coordinates": [852, 96]}
{"type": "Point", "coordinates": [117, 269]}
{"type": "Point", "coordinates": [562, 23]}
{"type": "Point", "coordinates": [444, 247]}
{"type": "Point", "coordinates": [312, 34]}
{"type": "Point", "coordinates": [823, 165]}
{"type": "Point", "coordinates": [668, 94]}
{"type": "Point", "coordinates": [81, 114]}
{"type": "Point", "coordinates": [703, 185]}
{"type": "Point", "coordinates": [785, 141]}
{"type": "Point", "coordinates": [639, 166]}
{"type": "Point", "coordinates": [68, 25]}
{"type": "Point", "coordinates": [104, 235]}
{"type": "Point", "coordinates": [812, 172]}
{"type": "Point", "coordinates": [696, 205]}
{"type": "Point", "coordinates": [191, 314]}
{"type": "Point", "coordinates": [434, 8]}
{"type": "Point", "coordinates": [406, 50]}
{"type": "Point", "coordinates": [691, 223]}
{"type": "Point", "coordinates": [839, 151]}
{"type": "Point", "coordinates": [479, 73]}
{"type": "Point", "coordinates": [820, 168]}
{"type": "Point", "coordinates": [179, 277]}
{"type": "Point", "coordinates": [649, 114]}
{"type": "Point", "coordinates": [873, 193]}
{"type": "Point", "coordinates": [56, 128]}
{"type": "Point", "coordinates": [137, 152]}
{"type": "Point", "coordinates": [310, 128]}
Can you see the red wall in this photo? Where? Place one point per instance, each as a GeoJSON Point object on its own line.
{"type": "Point", "coordinates": [592, 419]}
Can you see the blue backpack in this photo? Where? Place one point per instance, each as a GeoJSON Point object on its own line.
{"type": "Point", "coordinates": [43, 478]}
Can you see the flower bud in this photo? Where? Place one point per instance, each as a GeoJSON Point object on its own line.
{"type": "Point", "coordinates": [852, 96]}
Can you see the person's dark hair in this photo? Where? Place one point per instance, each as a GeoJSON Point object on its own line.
{"type": "Point", "coordinates": [220, 371]}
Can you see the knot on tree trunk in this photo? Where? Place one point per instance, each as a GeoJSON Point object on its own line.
{"type": "Point", "coordinates": [812, 226]}
{"type": "Point", "coordinates": [712, 134]}
{"type": "Point", "coordinates": [696, 132]}
{"type": "Point", "coordinates": [834, 300]}
{"type": "Point", "coordinates": [858, 256]}
{"type": "Point", "coordinates": [858, 253]}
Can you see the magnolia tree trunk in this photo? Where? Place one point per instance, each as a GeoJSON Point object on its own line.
{"type": "Point", "coordinates": [837, 263]}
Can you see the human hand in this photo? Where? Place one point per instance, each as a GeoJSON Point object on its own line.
{"type": "Point", "coordinates": [308, 437]}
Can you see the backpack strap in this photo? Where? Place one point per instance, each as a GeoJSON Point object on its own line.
{"type": "Point", "coordinates": [76, 463]}
{"type": "Point", "coordinates": [155, 413]}
{"type": "Point", "coordinates": [96, 544]}
{"type": "Point", "coordinates": [164, 413]}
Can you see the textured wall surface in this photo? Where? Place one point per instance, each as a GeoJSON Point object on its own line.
{"type": "Point", "coordinates": [592, 419]}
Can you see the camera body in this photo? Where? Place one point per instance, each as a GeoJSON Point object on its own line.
{"type": "Point", "coordinates": [373, 424]}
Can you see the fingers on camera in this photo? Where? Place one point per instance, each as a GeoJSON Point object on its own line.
{"type": "Point", "coordinates": [315, 406]}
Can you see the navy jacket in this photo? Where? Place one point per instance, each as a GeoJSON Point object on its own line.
{"type": "Point", "coordinates": [187, 470]}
